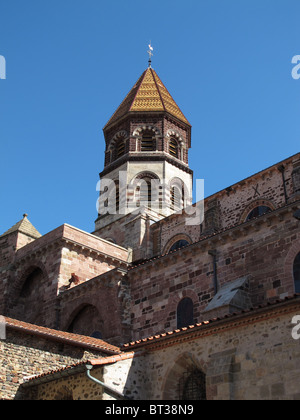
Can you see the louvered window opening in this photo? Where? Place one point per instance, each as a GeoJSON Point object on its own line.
{"type": "Point", "coordinates": [145, 193]}
{"type": "Point", "coordinates": [176, 198]}
{"type": "Point", "coordinates": [147, 143]}
{"type": "Point", "coordinates": [120, 149]}
{"type": "Point", "coordinates": [173, 148]}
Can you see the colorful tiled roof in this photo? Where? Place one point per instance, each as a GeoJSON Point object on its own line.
{"type": "Point", "coordinates": [148, 94]}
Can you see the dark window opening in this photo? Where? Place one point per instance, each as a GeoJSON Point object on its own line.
{"type": "Point", "coordinates": [178, 245]}
{"type": "Point", "coordinates": [185, 313]}
{"type": "Point", "coordinates": [297, 273]}
{"type": "Point", "coordinates": [97, 334]}
{"type": "Point", "coordinates": [258, 211]}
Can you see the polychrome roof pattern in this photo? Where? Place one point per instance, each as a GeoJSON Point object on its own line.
{"type": "Point", "coordinates": [148, 95]}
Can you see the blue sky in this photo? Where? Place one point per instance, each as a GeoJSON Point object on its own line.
{"type": "Point", "coordinates": [70, 63]}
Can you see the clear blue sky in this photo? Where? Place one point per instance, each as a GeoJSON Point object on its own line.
{"type": "Point", "coordinates": [70, 63]}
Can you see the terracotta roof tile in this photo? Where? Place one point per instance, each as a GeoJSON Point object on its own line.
{"type": "Point", "coordinates": [68, 338]}
{"type": "Point", "coordinates": [199, 326]}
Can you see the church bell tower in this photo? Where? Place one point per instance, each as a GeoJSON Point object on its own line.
{"type": "Point", "coordinates": [146, 156]}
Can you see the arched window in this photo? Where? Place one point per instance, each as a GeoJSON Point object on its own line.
{"type": "Point", "coordinates": [258, 211]}
{"type": "Point", "coordinates": [297, 273]}
{"type": "Point", "coordinates": [192, 386]}
{"type": "Point", "coordinates": [185, 313]}
{"type": "Point", "coordinates": [148, 141]}
{"type": "Point", "coordinates": [173, 148]}
{"type": "Point", "coordinates": [178, 245]}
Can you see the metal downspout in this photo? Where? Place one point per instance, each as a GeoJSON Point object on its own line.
{"type": "Point", "coordinates": [110, 391]}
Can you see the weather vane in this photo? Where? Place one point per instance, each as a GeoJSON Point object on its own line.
{"type": "Point", "coordinates": [150, 52]}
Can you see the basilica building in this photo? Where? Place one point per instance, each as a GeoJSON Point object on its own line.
{"type": "Point", "coordinates": [168, 298]}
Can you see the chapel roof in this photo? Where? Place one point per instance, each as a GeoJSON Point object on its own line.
{"type": "Point", "coordinates": [148, 94]}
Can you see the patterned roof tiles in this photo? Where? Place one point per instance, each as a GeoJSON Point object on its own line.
{"type": "Point", "coordinates": [148, 95]}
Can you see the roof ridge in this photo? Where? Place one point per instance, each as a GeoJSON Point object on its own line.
{"type": "Point", "coordinates": [175, 103]}
{"type": "Point", "coordinates": [159, 92]}
{"type": "Point", "coordinates": [123, 103]}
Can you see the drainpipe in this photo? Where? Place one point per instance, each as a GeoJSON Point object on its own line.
{"type": "Point", "coordinates": [110, 391]}
{"type": "Point", "coordinates": [281, 169]}
{"type": "Point", "coordinates": [213, 253]}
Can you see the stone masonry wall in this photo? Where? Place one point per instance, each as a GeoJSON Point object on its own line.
{"type": "Point", "coordinates": [252, 361]}
{"type": "Point", "coordinates": [23, 355]}
{"type": "Point", "coordinates": [251, 357]}
{"type": "Point", "coordinates": [231, 206]}
{"type": "Point", "coordinates": [261, 251]}
{"type": "Point", "coordinates": [58, 255]}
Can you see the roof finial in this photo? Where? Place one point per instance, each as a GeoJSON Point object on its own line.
{"type": "Point", "coordinates": [150, 52]}
{"type": "Point", "coordinates": [25, 215]}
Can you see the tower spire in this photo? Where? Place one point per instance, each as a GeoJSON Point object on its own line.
{"type": "Point", "coordinates": [150, 52]}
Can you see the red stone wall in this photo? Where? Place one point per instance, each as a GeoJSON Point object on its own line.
{"type": "Point", "coordinates": [57, 255]}
{"type": "Point", "coordinates": [262, 250]}
{"type": "Point", "coordinates": [231, 207]}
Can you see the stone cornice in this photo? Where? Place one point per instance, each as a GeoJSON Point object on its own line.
{"type": "Point", "coordinates": [146, 157]}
